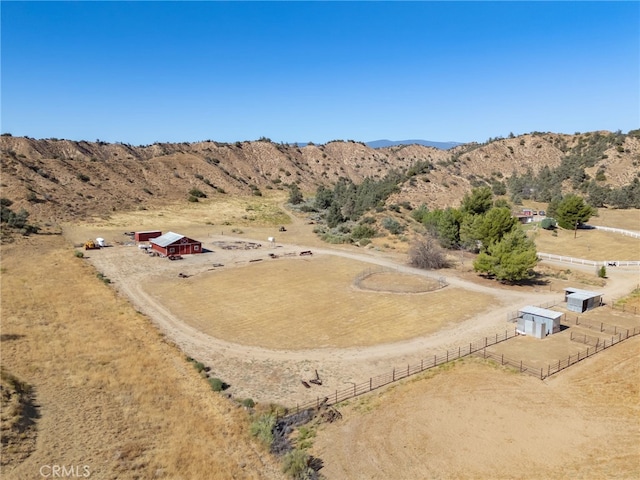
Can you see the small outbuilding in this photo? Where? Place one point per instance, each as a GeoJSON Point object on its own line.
{"type": "Point", "coordinates": [538, 322]}
{"type": "Point", "coordinates": [175, 244]}
{"type": "Point", "coordinates": [146, 236]}
{"type": "Point", "coordinates": [581, 300]}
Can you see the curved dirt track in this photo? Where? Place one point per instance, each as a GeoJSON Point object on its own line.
{"type": "Point", "coordinates": [269, 375]}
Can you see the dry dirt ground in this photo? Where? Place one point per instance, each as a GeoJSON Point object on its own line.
{"type": "Point", "coordinates": [255, 369]}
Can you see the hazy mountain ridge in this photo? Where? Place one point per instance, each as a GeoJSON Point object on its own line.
{"type": "Point", "coordinates": [57, 180]}
{"type": "Point", "coordinates": [426, 143]}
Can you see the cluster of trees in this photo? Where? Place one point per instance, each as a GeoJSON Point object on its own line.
{"type": "Point", "coordinates": [547, 184]}
{"type": "Point", "coordinates": [15, 220]}
{"type": "Point", "coordinates": [348, 201]}
{"type": "Point", "coordinates": [488, 227]}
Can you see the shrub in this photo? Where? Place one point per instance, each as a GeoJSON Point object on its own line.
{"type": "Point", "coordinates": [249, 403]}
{"type": "Point", "coordinates": [192, 199]}
{"type": "Point", "coordinates": [199, 366]}
{"type": "Point", "coordinates": [363, 231]}
{"type": "Point", "coordinates": [262, 428]}
{"type": "Point", "coordinates": [82, 177]}
{"type": "Point", "coordinates": [217, 385]}
{"type": "Point", "coordinates": [78, 254]}
{"type": "Point", "coordinates": [426, 253]}
{"type": "Point", "coordinates": [296, 464]}
{"type": "Point", "coordinates": [602, 272]}
{"type": "Point", "coordinates": [195, 192]}
{"type": "Point", "coordinates": [104, 279]}
{"type": "Point", "coordinates": [548, 223]}
{"type": "Point", "coordinates": [392, 225]}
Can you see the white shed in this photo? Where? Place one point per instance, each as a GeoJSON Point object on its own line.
{"type": "Point", "coordinates": [538, 322]}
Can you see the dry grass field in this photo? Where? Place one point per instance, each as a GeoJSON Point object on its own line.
{"type": "Point", "coordinates": [111, 393]}
{"type": "Point", "coordinates": [297, 304]}
{"type": "Point", "coordinates": [589, 244]}
{"type": "Point", "coordinates": [476, 419]}
{"type": "Point", "coordinates": [117, 395]}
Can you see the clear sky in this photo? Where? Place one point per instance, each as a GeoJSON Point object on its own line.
{"type": "Point", "coordinates": [141, 72]}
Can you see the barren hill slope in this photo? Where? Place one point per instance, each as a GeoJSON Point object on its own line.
{"type": "Point", "coordinates": [57, 180]}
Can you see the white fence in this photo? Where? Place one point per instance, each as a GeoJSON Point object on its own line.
{"type": "Point", "coordinates": [628, 233]}
{"type": "Point", "coordinates": [582, 261]}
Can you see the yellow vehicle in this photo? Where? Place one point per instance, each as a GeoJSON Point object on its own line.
{"type": "Point", "coordinates": [91, 245]}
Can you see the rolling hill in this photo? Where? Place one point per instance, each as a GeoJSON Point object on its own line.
{"type": "Point", "coordinates": [59, 180]}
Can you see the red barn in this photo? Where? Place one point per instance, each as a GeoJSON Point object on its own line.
{"type": "Point", "coordinates": [175, 244]}
{"type": "Point", "coordinates": [146, 236]}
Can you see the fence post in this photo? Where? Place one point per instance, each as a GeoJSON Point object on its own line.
{"type": "Point", "coordinates": [370, 384]}
{"type": "Point", "coordinates": [407, 369]}
{"type": "Point", "coordinates": [485, 341]}
{"type": "Point", "coordinates": [601, 327]}
{"type": "Point", "coordinates": [354, 389]}
{"type": "Point", "coordinates": [394, 375]}
{"type": "Point", "coordinates": [541, 377]}
{"type": "Point", "coordinates": [447, 355]}
{"type": "Point", "coordinates": [520, 366]}
{"type": "Point", "coordinates": [496, 338]}
{"type": "Point", "coordinates": [421, 365]}
{"type": "Point", "coordinates": [548, 370]}
{"type": "Point", "coordinates": [459, 351]}
{"type": "Point", "coordinates": [435, 360]}
{"type": "Point", "coordinates": [502, 360]}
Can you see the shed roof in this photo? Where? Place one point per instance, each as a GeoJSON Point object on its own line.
{"type": "Point", "coordinates": [541, 312]}
{"type": "Point", "coordinates": [167, 239]}
{"type": "Point", "coordinates": [588, 294]}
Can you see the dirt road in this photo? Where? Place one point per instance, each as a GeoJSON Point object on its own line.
{"type": "Point", "coordinates": [274, 375]}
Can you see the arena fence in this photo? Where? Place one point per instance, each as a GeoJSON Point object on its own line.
{"type": "Point", "coordinates": [403, 372]}
{"type": "Point", "coordinates": [479, 349]}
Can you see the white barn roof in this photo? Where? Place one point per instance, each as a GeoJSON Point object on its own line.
{"type": "Point", "coordinates": [167, 239]}
{"type": "Point", "coordinates": [541, 312]}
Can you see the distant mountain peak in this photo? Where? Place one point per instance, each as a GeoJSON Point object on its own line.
{"type": "Point", "coordinates": [426, 143]}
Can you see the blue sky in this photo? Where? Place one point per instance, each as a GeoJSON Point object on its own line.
{"type": "Point", "coordinates": [141, 72]}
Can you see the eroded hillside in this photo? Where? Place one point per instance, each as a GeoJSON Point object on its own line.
{"type": "Point", "coordinates": [58, 180]}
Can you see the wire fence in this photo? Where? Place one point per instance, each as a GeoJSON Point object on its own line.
{"type": "Point", "coordinates": [625, 308]}
{"type": "Point", "coordinates": [368, 272]}
{"type": "Point", "coordinates": [480, 349]}
{"type": "Point", "coordinates": [555, 367]}
{"type": "Point", "coordinates": [599, 326]}
{"type": "Point", "coordinates": [403, 372]}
